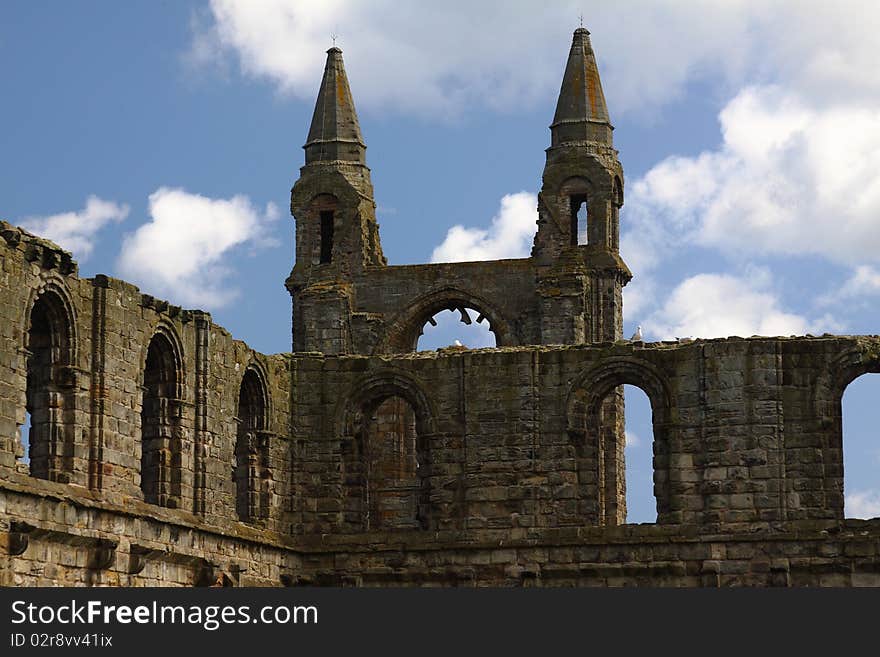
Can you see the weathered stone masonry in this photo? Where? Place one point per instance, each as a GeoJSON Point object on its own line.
{"type": "Point", "coordinates": [163, 452]}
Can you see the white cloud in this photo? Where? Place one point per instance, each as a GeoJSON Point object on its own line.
{"type": "Point", "coordinates": [722, 305]}
{"type": "Point", "coordinates": [509, 236]}
{"type": "Point", "coordinates": [863, 504]}
{"type": "Point", "coordinates": [75, 231]}
{"type": "Point", "coordinates": [181, 252]}
{"type": "Point", "coordinates": [788, 180]}
{"type": "Point", "coordinates": [864, 282]}
{"type": "Point", "coordinates": [439, 58]}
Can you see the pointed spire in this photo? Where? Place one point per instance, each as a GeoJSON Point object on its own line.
{"type": "Point", "coordinates": [581, 112]}
{"type": "Point", "coordinates": [335, 133]}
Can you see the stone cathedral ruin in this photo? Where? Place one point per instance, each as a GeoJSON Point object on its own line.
{"type": "Point", "coordinates": [164, 452]}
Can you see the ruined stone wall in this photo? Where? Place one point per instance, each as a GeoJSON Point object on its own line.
{"type": "Point", "coordinates": [514, 476]}
{"type": "Point", "coordinates": [96, 393]}
{"type": "Point", "coordinates": [397, 301]}
{"type": "Point", "coordinates": [746, 431]}
{"type": "Point", "coordinates": [165, 452]}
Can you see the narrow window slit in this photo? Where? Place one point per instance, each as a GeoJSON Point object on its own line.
{"type": "Point", "coordinates": [579, 219]}
{"type": "Point", "coordinates": [326, 236]}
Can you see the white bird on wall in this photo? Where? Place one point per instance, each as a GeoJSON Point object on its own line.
{"type": "Point", "coordinates": [637, 336]}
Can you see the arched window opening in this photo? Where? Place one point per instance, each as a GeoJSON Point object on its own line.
{"type": "Point", "coordinates": [621, 476]}
{"type": "Point", "coordinates": [252, 476]}
{"type": "Point", "coordinates": [579, 219]}
{"type": "Point", "coordinates": [161, 440]}
{"type": "Point", "coordinates": [641, 505]}
{"type": "Point", "coordinates": [394, 466]}
{"type": "Point", "coordinates": [456, 326]}
{"type": "Point", "coordinates": [49, 393]}
{"type": "Point", "coordinates": [861, 449]}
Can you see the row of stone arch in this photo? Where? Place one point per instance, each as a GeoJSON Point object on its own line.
{"type": "Point", "coordinates": [388, 424]}
{"type": "Point", "coordinates": [383, 491]}
{"type": "Point", "coordinates": [593, 403]}
{"type": "Point", "coordinates": [50, 349]}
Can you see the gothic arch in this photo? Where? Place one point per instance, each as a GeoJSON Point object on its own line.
{"type": "Point", "coordinates": [617, 190]}
{"type": "Point", "coordinates": [844, 369]}
{"type": "Point", "coordinates": [252, 450]}
{"type": "Point", "coordinates": [54, 292]}
{"type": "Point", "coordinates": [576, 192]}
{"type": "Point", "coordinates": [613, 372]}
{"type": "Point", "coordinates": [587, 399]}
{"type": "Point", "coordinates": [828, 390]}
{"type": "Point", "coordinates": [50, 389]}
{"type": "Point", "coordinates": [399, 407]}
{"type": "Point", "coordinates": [403, 331]}
{"type": "Point", "coordinates": [380, 385]}
{"type": "Point", "coordinates": [259, 377]}
{"type": "Point", "coordinates": [576, 185]}
{"type": "Point", "coordinates": [173, 356]}
{"type": "Point", "coordinates": [162, 434]}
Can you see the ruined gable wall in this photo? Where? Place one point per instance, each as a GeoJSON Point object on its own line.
{"type": "Point", "coordinates": [382, 310]}
{"type": "Point", "coordinates": [402, 298]}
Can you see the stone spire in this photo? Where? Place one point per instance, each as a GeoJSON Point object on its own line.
{"type": "Point", "coordinates": [581, 112]}
{"type": "Point", "coordinates": [335, 133]}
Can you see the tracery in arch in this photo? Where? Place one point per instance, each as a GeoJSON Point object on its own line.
{"type": "Point", "coordinates": [444, 316]}
{"type": "Point", "coordinates": [456, 326]}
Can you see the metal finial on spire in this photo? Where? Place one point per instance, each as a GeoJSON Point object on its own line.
{"type": "Point", "coordinates": [581, 18]}
{"type": "Point", "coordinates": [333, 39]}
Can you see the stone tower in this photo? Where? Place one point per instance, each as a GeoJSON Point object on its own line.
{"type": "Point", "coordinates": [576, 249]}
{"type": "Point", "coordinates": [580, 275]}
{"type": "Point", "coordinates": [336, 231]}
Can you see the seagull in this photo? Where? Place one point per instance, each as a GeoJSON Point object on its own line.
{"type": "Point", "coordinates": [457, 343]}
{"type": "Point", "coordinates": [637, 336]}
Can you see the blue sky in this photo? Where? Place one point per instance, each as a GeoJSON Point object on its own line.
{"type": "Point", "coordinates": [159, 141]}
